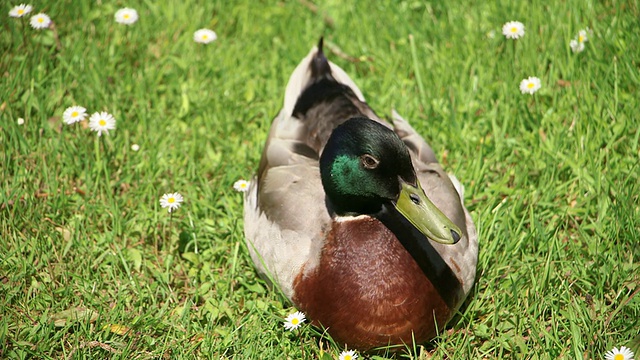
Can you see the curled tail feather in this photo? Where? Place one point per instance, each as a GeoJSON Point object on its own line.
{"type": "Point", "coordinates": [313, 67]}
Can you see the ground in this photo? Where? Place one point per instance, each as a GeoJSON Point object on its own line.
{"type": "Point", "coordinates": [92, 266]}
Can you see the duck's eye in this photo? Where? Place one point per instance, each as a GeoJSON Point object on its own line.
{"type": "Point", "coordinates": [415, 199]}
{"type": "Point", "coordinates": [369, 162]}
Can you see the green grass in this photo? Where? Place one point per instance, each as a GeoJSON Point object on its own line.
{"type": "Point", "coordinates": [552, 180]}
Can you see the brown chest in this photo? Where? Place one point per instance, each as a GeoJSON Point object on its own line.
{"type": "Point", "coordinates": [368, 291]}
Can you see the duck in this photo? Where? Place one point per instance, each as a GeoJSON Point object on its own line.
{"type": "Point", "coordinates": [353, 218]}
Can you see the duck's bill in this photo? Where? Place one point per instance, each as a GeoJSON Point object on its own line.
{"type": "Point", "coordinates": [416, 207]}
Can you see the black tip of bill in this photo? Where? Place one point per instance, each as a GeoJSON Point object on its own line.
{"type": "Point", "coordinates": [455, 236]}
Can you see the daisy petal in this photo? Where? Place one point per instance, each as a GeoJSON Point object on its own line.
{"type": "Point", "coordinates": [530, 85]}
{"type": "Point", "coordinates": [126, 16]}
{"type": "Point", "coordinates": [624, 353]}
{"type": "Point", "coordinates": [20, 10]}
{"type": "Point", "coordinates": [348, 355]}
{"type": "Point", "coordinates": [40, 21]}
{"type": "Point", "coordinates": [513, 30]}
{"type": "Point", "coordinates": [204, 36]}
{"type": "Point", "coordinates": [241, 185]}
{"type": "Point", "coordinates": [73, 114]}
{"type": "Point", "coordinates": [294, 321]}
{"type": "Point", "coordinates": [171, 201]}
{"type": "Point", "coordinates": [102, 122]}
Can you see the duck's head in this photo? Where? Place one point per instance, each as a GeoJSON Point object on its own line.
{"type": "Point", "coordinates": [366, 169]}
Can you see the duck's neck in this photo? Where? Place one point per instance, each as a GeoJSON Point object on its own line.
{"type": "Point", "coordinates": [430, 261]}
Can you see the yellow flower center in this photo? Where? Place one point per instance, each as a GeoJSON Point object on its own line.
{"type": "Point", "coordinates": [347, 357]}
{"type": "Point", "coordinates": [40, 19]}
{"type": "Point", "coordinates": [74, 114]}
{"type": "Point", "coordinates": [20, 11]}
{"type": "Point", "coordinates": [171, 200]}
{"type": "Point", "coordinates": [204, 37]}
{"type": "Point", "coordinates": [295, 321]}
{"type": "Point", "coordinates": [530, 85]}
{"type": "Point", "coordinates": [580, 38]}
{"type": "Point", "coordinates": [618, 357]}
{"type": "Point", "coordinates": [102, 122]}
{"type": "Point", "coordinates": [126, 16]}
{"type": "Point", "coordinates": [514, 29]}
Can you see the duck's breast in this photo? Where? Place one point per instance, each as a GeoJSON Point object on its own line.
{"type": "Point", "coordinates": [368, 290]}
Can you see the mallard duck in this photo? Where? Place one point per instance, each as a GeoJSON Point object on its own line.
{"type": "Point", "coordinates": [354, 219]}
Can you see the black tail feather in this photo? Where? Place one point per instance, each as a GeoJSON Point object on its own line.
{"type": "Point", "coordinates": [320, 64]}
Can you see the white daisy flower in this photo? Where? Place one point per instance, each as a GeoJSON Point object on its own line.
{"type": "Point", "coordinates": [348, 355]}
{"type": "Point", "coordinates": [40, 21]}
{"type": "Point", "coordinates": [126, 16]}
{"type": "Point", "coordinates": [623, 354]}
{"type": "Point", "coordinates": [241, 185]}
{"type": "Point", "coordinates": [20, 10]}
{"type": "Point", "coordinates": [204, 36]}
{"type": "Point", "coordinates": [102, 122]}
{"type": "Point", "coordinates": [513, 30]}
{"type": "Point", "coordinates": [171, 201]}
{"type": "Point", "coordinates": [294, 320]}
{"type": "Point", "coordinates": [135, 147]}
{"type": "Point", "coordinates": [582, 36]}
{"type": "Point", "coordinates": [20, 121]}
{"type": "Point", "coordinates": [576, 46]}
{"type": "Point", "coordinates": [74, 114]}
{"type": "Point", "coordinates": [530, 85]}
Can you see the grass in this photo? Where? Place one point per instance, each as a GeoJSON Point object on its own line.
{"type": "Point", "coordinates": [91, 266]}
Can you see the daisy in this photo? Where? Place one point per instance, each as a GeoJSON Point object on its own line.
{"type": "Point", "coordinates": [623, 354]}
{"type": "Point", "coordinates": [530, 85]}
{"type": "Point", "coordinates": [126, 16]}
{"type": "Point", "coordinates": [102, 122]}
{"type": "Point", "coordinates": [576, 46]}
{"type": "Point", "coordinates": [20, 121]}
{"type": "Point", "coordinates": [513, 30]}
{"type": "Point", "coordinates": [241, 185]}
{"type": "Point", "coordinates": [20, 10]}
{"type": "Point", "coordinates": [74, 114]}
{"type": "Point", "coordinates": [40, 21]}
{"type": "Point", "coordinates": [348, 355]}
{"type": "Point", "coordinates": [204, 36]}
{"type": "Point", "coordinates": [582, 36]}
{"type": "Point", "coordinates": [294, 320]}
{"type": "Point", "coordinates": [135, 147]}
{"type": "Point", "coordinates": [171, 201]}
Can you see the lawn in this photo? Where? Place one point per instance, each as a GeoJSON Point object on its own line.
{"type": "Point", "coordinates": [91, 266]}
